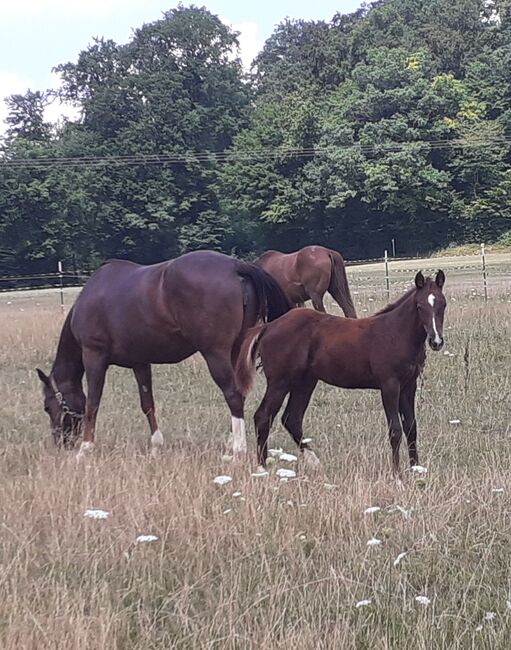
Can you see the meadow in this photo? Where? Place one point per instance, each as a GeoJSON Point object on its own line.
{"type": "Point", "coordinates": [260, 562]}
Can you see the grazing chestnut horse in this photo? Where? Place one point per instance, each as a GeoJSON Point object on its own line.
{"type": "Point", "coordinates": [132, 316]}
{"type": "Point", "coordinates": [308, 274]}
{"type": "Point", "coordinates": [385, 351]}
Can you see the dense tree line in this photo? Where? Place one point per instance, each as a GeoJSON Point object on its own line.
{"type": "Point", "coordinates": [390, 122]}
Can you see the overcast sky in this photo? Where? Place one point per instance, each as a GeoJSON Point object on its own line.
{"type": "Point", "coordinates": [36, 35]}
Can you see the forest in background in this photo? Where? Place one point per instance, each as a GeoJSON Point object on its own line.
{"type": "Point", "coordinates": [390, 122]}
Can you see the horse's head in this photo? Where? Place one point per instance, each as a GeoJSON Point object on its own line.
{"type": "Point", "coordinates": [65, 410]}
{"type": "Point", "coordinates": [431, 305]}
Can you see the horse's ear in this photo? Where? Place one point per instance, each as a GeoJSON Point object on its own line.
{"type": "Point", "coordinates": [419, 280]}
{"type": "Point", "coordinates": [440, 279]}
{"type": "Point", "coordinates": [44, 378]}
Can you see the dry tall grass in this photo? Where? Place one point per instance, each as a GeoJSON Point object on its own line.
{"type": "Point", "coordinates": [284, 565]}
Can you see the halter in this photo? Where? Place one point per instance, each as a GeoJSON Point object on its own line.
{"type": "Point", "coordinates": [63, 404]}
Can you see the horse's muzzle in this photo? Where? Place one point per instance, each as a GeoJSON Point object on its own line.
{"type": "Point", "coordinates": [436, 344]}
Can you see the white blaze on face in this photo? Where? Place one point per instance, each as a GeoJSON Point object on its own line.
{"type": "Point", "coordinates": [431, 301]}
{"type": "Point", "coordinates": [239, 439]}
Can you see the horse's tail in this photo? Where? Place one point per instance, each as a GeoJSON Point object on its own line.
{"type": "Point", "coordinates": [246, 363]}
{"type": "Point", "coordinates": [272, 302]}
{"type": "Point", "coordinates": [339, 287]}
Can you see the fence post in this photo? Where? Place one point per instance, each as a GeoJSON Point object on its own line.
{"type": "Point", "coordinates": [393, 248]}
{"type": "Point", "coordinates": [61, 276]}
{"type": "Point", "coordinates": [387, 278]}
{"type": "Point", "coordinates": [485, 281]}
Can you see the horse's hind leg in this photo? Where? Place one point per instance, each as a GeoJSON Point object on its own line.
{"type": "Point", "coordinates": [390, 398]}
{"type": "Point", "coordinates": [222, 371]}
{"type": "Point", "coordinates": [95, 365]}
{"type": "Point", "coordinates": [407, 410]}
{"type": "Point", "coordinates": [144, 379]}
{"type": "Point", "coordinates": [293, 415]}
{"type": "Point", "coordinates": [264, 416]}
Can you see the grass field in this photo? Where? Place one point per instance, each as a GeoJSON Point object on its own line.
{"type": "Point", "coordinates": [285, 564]}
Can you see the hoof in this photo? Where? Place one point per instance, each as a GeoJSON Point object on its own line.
{"type": "Point", "coordinates": [310, 458]}
{"type": "Point", "coordinates": [86, 449]}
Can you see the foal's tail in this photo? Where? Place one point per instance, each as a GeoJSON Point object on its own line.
{"type": "Point", "coordinates": [271, 299]}
{"type": "Point", "coordinates": [339, 287]}
{"type": "Point", "coordinates": [246, 363]}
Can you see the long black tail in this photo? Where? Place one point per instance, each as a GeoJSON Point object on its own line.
{"type": "Point", "coordinates": [271, 299]}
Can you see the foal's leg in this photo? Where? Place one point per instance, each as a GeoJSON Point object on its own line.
{"type": "Point", "coordinates": [145, 388]}
{"type": "Point", "coordinates": [390, 398]}
{"type": "Point", "coordinates": [95, 365]}
{"type": "Point", "coordinates": [407, 409]}
{"type": "Point", "coordinates": [221, 369]}
{"type": "Point", "coordinates": [264, 416]}
{"type": "Point", "coordinates": [292, 417]}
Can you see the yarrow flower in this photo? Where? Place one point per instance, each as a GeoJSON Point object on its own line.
{"type": "Point", "coordinates": [369, 511]}
{"type": "Point", "coordinates": [400, 557]}
{"type": "Point", "coordinates": [374, 541]}
{"type": "Point", "coordinates": [423, 600]}
{"type": "Point", "coordinates": [363, 603]}
{"type": "Point", "coordinates": [222, 480]}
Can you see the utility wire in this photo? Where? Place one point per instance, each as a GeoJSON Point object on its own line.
{"type": "Point", "coordinates": [249, 155]}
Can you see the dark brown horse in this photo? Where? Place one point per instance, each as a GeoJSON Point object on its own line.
{"type": "Point", "coordinates": [132, 316]}
{"type": "Point", "coordinates": [308, 274]}
{"type": "Point", "coordinates": [385, 351]}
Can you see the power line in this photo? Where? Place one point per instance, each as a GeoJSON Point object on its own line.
{"type": "Point", "coordinates": [190, 156]}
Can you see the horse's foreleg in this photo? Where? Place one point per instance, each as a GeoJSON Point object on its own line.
{"type": "Point", "coordinates": [144, 379]}
{"type": "Point", "coordinates": [390, 398]}
{"type": "Point", "coordinates": [222, 371]}
{"type": "Point", "coordinates": [407, 409]}
{"type": "Point", "coordinates": [95, 369]}
{"type": "Point", "coordinates": [317, 302]}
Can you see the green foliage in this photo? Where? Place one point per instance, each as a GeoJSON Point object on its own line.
{"type": "Point", "coordinates": [327, 139]}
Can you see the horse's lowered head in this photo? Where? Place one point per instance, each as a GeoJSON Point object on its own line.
{"type": "Point", "coordinates": [65, 408]}
{"type": "Point", "coordinates": [431, 305]}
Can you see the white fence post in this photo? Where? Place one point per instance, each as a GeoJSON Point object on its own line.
{"type": "Point", "coordinates": [485, 280]}
{"type": "Point", "coordinates": [61, 276]}
{"type": "Point", "coordinates": [387, 278]}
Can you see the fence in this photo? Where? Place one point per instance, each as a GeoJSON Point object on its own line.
{"type": "Point", "coordinates": [383, 277]}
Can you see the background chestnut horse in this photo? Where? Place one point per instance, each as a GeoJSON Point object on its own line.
{"type": "Point", "coordinates": [132, 316]}
{"type": "Point", "coordinates": [308, 274]}
{"type": "Point", "coordinates": [385, 351]}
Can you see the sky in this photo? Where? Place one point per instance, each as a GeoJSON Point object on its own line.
{"type": "Point", "coordinates": [36, 35]}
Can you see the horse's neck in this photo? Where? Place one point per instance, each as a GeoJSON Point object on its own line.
{"type": "Point", "coordinates": [405, 320]}
{"type": "Point", "coordinates": [68, 366]}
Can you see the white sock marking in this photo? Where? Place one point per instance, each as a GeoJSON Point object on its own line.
{"type": "Point", "coordinates": [239, 438]}
{"type": "Point", "coordinates": [86, 448]}
{"type": "Point", "coordinates": [157, 439]}
{"type": "Point", "coordinates": [310, 458]}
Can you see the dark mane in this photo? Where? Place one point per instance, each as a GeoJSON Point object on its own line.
{"type": "Point", "coordinates": [392, 305]}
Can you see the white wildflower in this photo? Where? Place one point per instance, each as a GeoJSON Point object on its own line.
{"type": "Point", "coordinates": [275, 452]}
{"type": "Point", "coordinates": [498, 490]}
{"type": "Point", "coordinates": [400, 557]}
{"type": "Point", "coordinates": [330, 486]}
{"type": "Point", "coordinates": [222, 479]}
{"type": "Point", "coordinates": [363, 603]}
{"type": "Point", "coordinates": [423, 600]}
{"type": "Point", "coordinates": [374, 541]}
{"type": "Point", "coordinates": [286, 473]}
{"type": "Point", "coordinates": [454, 421]}
{"type": "Point", "coordinates": [306, 440]}
{"type": "Point", "coordinates": [419, 469]}
{"type": "Point", "coordinates": [479, 628]}
{"type": "Point", "coordinates": [490, 616]}
{"type": "Point", "coordinates": [146, 538]}
{"type": "Point", "coordinates": [236, 494]}
{"type": "Point", "coordinates": [95, 513]}
{"type": "Point", "coordinates": [508, 604]}
{"type": "Point", "coordinates": [369, 511]}
{"type": "Point", "coordinates": [290, 458]}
